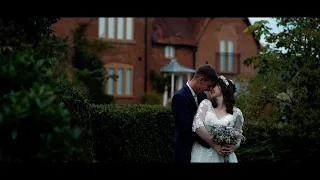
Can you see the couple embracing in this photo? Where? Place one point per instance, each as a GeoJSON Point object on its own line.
{"type": "Point", "coordinates": [205, 101]}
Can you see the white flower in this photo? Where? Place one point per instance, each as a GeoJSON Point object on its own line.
{"type": "Point", "coordinates": [225, 81]}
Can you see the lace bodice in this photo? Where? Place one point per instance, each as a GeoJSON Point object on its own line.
{"type": "Point", "coordinates": [207, 117]}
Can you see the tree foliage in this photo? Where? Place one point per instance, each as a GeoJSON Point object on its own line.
{"type": "Point", "coordinates": [88, 66]}
{"type": "Point", "coordinates": [28, 30]}
{"type": "Point", "coordinates": [289, 79]}
{"type": "Point", "coordinates": [298, 67]}
{"type": "Point", "coordinates": [34, 124]}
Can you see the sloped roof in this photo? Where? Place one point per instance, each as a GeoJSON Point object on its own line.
{"type": "Point", "coordinates": [175, 67]}
{"type": "Point", "coordinates": [173, 31]}
{"type": "Point", "coordinates": [180, 31]}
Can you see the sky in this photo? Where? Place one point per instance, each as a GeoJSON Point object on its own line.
{"type": "Point", "coordinates": [272, 24]}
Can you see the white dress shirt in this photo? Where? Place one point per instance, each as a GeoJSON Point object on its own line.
{"type": "Point", "coordinates": [193, 94]}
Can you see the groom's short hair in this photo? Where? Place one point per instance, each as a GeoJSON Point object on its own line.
{"type": "Point", "coordinates": [206, 71]}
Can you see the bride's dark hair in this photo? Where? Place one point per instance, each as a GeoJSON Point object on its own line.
{"type": "Point", "coordinates": [228, 95]}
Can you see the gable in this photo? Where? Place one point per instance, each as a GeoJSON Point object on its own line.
{"type": "Point", "coordinates": [227, 28]}
{"type": "Point", "coordinates": [173, 31]}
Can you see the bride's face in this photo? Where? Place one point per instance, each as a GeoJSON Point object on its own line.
{"type": "Point", "coordinates": [215, 92]}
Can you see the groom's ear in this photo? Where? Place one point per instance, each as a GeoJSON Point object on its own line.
{"type": "Point", "coordinates": [201, 79]}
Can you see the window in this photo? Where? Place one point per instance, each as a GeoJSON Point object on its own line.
{"type": "Point", "coordinates": [169, 52]}
{"type": "Point", "coordinates": [226, 56]}
{"type": "Point", "coordinates": [122, 85]}
{"type": "Point", "coordinates": [116, 28]}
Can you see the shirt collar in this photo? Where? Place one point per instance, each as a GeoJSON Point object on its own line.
{"type": "Point", "coordinates": [192, 92]}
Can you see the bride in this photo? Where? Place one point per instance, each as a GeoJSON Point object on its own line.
{"type": "Point", "coordinates": [219, 109]}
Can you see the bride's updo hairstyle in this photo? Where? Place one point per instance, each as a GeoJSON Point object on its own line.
{"type": "Point", "coordinates": [228, 89]}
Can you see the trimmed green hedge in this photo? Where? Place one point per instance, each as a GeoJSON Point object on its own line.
{"type": "Point", "coordinates": [279, 142]}
{"type": "Point", "coordinates": [144, 133]}
{"type": "Point", "coordinates": [132, 133]}
{"type": "Point", "coordinates": [74, 97]}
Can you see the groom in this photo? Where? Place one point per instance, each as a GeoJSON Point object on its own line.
{"type": "Point", "coordinates": [184, 106]}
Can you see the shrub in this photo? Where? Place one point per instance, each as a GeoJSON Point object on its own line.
{"type": "Point", "coordinates": [144, 133]}
{"type": "Point", "coordinates": [151, 98]}
{"type": "Point", "coordinates": [159, 82]}
{"type": "Point", "coordinates": [132, 133]}
{"type": "Point", "coordinates": [291, 84]}
{"type": "Point", "coordinates": [169, 103]}
{"type": "Point", "coordinates": [88, 65]}
{"type": "Point", "coordinates": [76, 100]}
{"type": "Point", "coordinates": [33, 125]}
{"type": "Point", "coordinates": [270, 141]}
{"type": "Point", "coordinates": [24, 30]}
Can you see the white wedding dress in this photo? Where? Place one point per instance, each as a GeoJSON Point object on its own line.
{"type": "Point", "coordinates": [207, 117]}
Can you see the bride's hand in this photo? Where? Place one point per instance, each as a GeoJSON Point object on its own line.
{"type": "Point", "coordinates": [219, 149]}
{"type": "Point", "coordinates": [227, 149]}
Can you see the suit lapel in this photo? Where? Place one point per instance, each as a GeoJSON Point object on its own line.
{"type": "Point", "coordinates": [189, 95]}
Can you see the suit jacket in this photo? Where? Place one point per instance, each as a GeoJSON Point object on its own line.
{"type": "Point", "coordinates": [184, 108]}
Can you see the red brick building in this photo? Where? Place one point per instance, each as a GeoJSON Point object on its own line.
{"type": "Point", "coordinates": [145, 44]}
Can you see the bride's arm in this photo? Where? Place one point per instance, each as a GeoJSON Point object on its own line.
{"type": "Point", "coordinates": [204, 134]}
{"type": "Point", "coordinates": [198, 126]}
{"type": "Point", "coordinates": [238, 127]}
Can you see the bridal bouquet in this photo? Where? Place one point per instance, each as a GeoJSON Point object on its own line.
{"type": "Point", "coordinates": [226, 135]}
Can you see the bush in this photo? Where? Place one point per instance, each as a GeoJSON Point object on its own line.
{"type": "Point", "coordinates": [88, 65]}
{"type": "Point", "coordinates": [169, 103]}
{"type": "Point", "coordinates": [132, 133]}
{"type": "Point", "coordinates": [77, 102]}
{"type": "Point", "coordinates": [33, 124]}
{"type": "Point", "coordinates": [290, 82]}
{"type": "Point", "coordinates": [269, 141]}
{"type": "Point", "coordinates": [144, 133]}
{"type": "Point", "coordinates": [24, 30]}
{"type": "Point", "coordinates": [151, 98]}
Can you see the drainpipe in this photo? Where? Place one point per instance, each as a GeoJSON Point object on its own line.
{"type": "Point", "coordinates": [195, 50]}
{"type": "Point", "coordinates": [146, 56]}
{"type": "Point", "coordinates": [197, 43]}
{"type": "Point", "coordinates": [194, 58]}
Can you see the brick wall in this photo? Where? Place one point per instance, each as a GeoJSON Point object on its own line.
{"type": "Point", "coordinates": [226, 29]}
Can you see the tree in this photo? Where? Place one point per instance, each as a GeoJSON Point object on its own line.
{"type": "Point", "coordinates": [34, 124]}
{"type": "Point", "coordinates": [88, 65]}
{"type": "Point", "coordinates": [29, 30]}
{"type": "Point", "coordinates": [294, 78]}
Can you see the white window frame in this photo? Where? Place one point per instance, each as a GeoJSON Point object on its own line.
{"type": "Point", "coordinates": [116, 28]}
{"type": "Point", "coordinates": [169, 52]}
{"type": "Point", "coordinates": [227, 56]}
{"type": "Point", "coordinates": [112, 85]}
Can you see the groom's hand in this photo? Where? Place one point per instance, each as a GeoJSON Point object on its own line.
{"type": "Point", "coordinates": [219, 149]}
{"type": "Point", "coordinates": [227, 149]}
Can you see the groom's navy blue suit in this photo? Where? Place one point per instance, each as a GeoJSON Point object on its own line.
{"type": "Point", "coordinates": [184, 108]}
